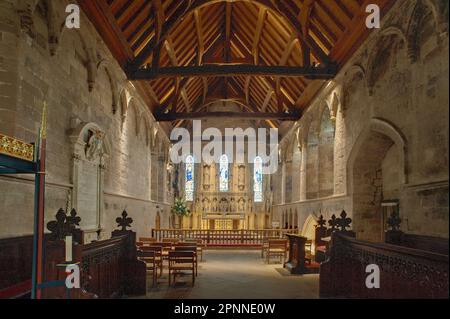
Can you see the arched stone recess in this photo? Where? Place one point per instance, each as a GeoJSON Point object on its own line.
{"type": "Point", "coordinates": [326, 143]}
{"type": "Point", "coordinates": [427, 22]}
{"type": "Point", "coordinates": [296, 167]}
{"type": "Point", "coordinates": [356, 74]}
{"type": "Point", "coordinates": [146, 128]}
{"type": "Point", "coordinates": [104, 65]}
{"type": "Point", "coordinates": [134, 115]}
{"type": "Point", "coordinates": [123, 103]}
{"type": "Point", "coordinates": [309, 228]}
{"type": "Point", "coordinates": [91, 151]}
{"type": "Point", "coordinates": [312, 155]}
{"type": "Point", "coordinates": [54, 21]}
{"type": "Point", "coordinates": [385, 56]}
{"type": "Point", "coordinates": [377, 171]}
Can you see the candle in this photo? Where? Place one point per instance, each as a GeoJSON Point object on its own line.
{"type": "Point", "coordinates": [68, 248]}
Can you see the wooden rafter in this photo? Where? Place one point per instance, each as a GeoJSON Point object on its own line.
{"type": "Point", "coordinates": [236, 115]}
{"type": "Point", "coordinates": [188, 6]}
{"type": "Point", "coordinates": [200, 37]}
{"type": "Point", "coordinates": [215, 41]}
{"type": "Point", "coordinates": [228, 70]}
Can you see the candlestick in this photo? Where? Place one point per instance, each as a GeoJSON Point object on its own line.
{"type": "Point", "coordinates": [68, 248]}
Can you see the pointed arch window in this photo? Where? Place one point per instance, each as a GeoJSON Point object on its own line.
{"type": "Point", "coordinates": [223, 169]}
{"type": "Point", "coordinates": [257, 180]}
{"type": "Point", "coordinates": [189, 176]}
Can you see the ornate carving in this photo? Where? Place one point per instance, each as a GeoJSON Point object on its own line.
{"type": "Point", "coordinates": [431, 275]}
{"type": "Point", "coordinates": [63, 225]}
{"type": "Point", "coordinates": [16, 148]}
{"type": "Point", "coordinates": [124, 221]}
{"type": "Point", "coordinates": [94, 148]}
{"type": "Point", "coordinates": [73, 220]}
{"type": "Point", "coordinates": [343, 221]}
{"type": "Point", "coordinates": [333, 223]}
{"type": "Point", "coordinates": [321, 222]}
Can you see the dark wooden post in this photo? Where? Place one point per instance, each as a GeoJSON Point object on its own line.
{"type": "Point", "coordinates": [134, 271]}
{"type": "Point", "coordinates": [296, 261]}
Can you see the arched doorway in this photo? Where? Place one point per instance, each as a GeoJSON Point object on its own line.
{"type": "Point", "coordinates": [377, 170]}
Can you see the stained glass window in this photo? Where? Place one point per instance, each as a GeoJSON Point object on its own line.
{"type": "Point", "coordinates": [257, 180]}
{"type": "Point", "coordinates": [189, 185]}
{"type": "Point", "coordinates": [223, 169]}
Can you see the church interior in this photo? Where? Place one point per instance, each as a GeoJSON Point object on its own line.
{"type": "Point", "coordinates": [93, 93]}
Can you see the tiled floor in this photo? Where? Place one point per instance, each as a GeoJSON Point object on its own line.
{"type": "Point", "coordinates": [242, 274]}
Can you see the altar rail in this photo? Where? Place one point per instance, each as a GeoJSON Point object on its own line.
{"type": "Point", "coordinates": [404, 272]}
{"type": "Point", "coordinates": [244, 237]}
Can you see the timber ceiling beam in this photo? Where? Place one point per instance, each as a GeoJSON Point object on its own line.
{"type": "Point", "coordinates": [186, 7]}
{"type": "Point", "coordinates": [200, 37]}
{"type": "Point", "coordinates": [169, 117]}
{"type": "Point", "coordinates": [229, 70]}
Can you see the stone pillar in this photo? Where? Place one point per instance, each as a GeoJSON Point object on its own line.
{"type": "Point", "coordinates": [339, 156]}
{"type": "Point", "coordinates": [303, 173]}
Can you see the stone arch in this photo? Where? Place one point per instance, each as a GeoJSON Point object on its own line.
{"type": "Point", "coordinates": [382, 58]}
{"type": "Point", "coordinates": [132, 105]}
{"type": "Point", "coordinates": [419, 17]}
{"type": "Point", "coordinates": [309, 228]}
{"type": "Point", "coordinates": [296, 166]}
{"type": "Point", "coordinates": [146, 126]}
{"type": "Point", "coordinates": [105, 65]}
{"type": "Point", "coordinates": [123, 103]}
{"type": "Point", "coordinates": [326, 139]}
{"type": "Point", "coordinates": [312, 158]}
{"type": "Point", "coordinates": [379, 148]}
{"type": "Point", "coordinates": [353, 75]}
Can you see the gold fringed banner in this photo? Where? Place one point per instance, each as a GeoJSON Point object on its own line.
{"type": "Point", "coordinates": [16, 148]}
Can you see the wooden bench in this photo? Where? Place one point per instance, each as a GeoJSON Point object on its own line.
{"type": "Point", "coordinates": [179, 262]}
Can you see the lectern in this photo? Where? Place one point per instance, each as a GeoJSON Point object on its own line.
{"type": "Point", "coordinates": [296, 260]}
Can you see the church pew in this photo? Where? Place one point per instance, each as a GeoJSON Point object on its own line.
{"type": "Point", "coordinates": [404, 272]}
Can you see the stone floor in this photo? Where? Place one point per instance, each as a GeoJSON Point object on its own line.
{"type": "Point", "coordinates": [242, 274]}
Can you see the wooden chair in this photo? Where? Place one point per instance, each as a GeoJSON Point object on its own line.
{"type": "Point", "coordinates": [189, 247]}
{"type": "Point", "coordinates": [265, 245]}
{"type": "Point", "coordinates": [166, 247]}
{"type": "Point", "coordinates": [277, 248]}
{"type": "Point", "coordinates": [199, 244]}
{"type": "Point", "coordinates": [180, 261]}
{"type": "Point", "coordinates": [150, 259]}
{"type": "Point", "coordinates": [157, 250]}
{"type": "Point", "coordinates": [147, 239]}
{"type": "Point", "coordinates": [139, 244]}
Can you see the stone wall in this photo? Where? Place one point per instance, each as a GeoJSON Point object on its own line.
{"type": "Point", "coordinates": [389, 105]}
{"type": "Point", "coordinates": [83, 85]}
